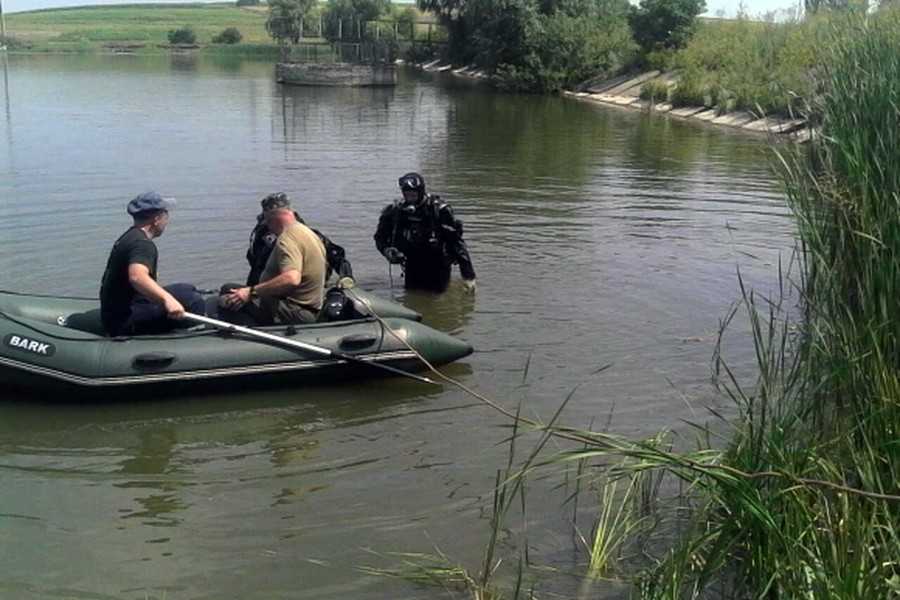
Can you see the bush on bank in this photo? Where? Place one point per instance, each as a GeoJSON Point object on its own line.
{"type": "Point", "coordinates": [565, 50]}
{"type": "Point", "coordinates": [182, 35]}
{"type": "Point", "coordinates": [229, 35]}
{"type": "Point", "coordinates": [746, 65]}
{"type": "Point", "coordinates": [538, 45]}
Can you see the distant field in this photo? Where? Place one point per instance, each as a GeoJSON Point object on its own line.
{"type": "Point", "coordinates": [89, 27]}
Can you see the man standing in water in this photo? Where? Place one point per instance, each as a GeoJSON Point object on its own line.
{"type": "Point", "coordinates": [292, 285]}
{"type": "Point", "coordinates": [131, 301]}
{"type": "Point", "coordinates": [421, 234]}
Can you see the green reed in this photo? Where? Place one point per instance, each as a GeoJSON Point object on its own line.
{"type": "Point", "coordinates": [803, 502]}
{"type": "Point", "coordinates": [803, 499]}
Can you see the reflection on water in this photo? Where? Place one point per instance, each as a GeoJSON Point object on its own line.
{"type": "Point", "coordinates": [600, 236]}
{"type": "Point", "coordinates": [450, 311]}
{"type": "Point", "coordinates": [6, 106]}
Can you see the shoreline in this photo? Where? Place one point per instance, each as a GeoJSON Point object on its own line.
{"type": "Point", "coordinates": [624, 92]}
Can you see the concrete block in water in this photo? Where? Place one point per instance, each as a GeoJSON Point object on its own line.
{"type": "Point", "coordinates": [336, 74]}
{"type": "Point", "coordinates": [602, 88]}
{"type": "Point", "coordinates": [687, 111]}
{"type": "Point", "coordinates": [775, 125]}
{"type": "Point", "coordinates": [632, 86]}
{"type": "Point", "coordinates": [736, 119]}
{"type": "Point", "coordinates": [706, 115]}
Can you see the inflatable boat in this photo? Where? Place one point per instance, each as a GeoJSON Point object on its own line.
{"type": "Point", "coordinates": [56, 344]}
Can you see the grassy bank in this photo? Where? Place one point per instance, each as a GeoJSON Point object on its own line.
{"type": "Point", "coordinates": [145, 28]}
{"type": "Point", "coordinates": [92, 28]}
{"type": "Point", "coordinates": [755, 66]}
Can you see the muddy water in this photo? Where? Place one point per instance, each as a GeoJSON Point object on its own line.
{"type": "Point", "coordinates": [600, 237]}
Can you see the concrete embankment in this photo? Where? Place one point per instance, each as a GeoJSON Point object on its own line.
{"type": "Point", "coordinates": [436, 66]}
{"type": "Point", "coordinates": [336, 74]}
{"type": "Point", "coordinates": [625, 91]}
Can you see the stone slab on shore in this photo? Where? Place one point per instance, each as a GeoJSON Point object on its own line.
{"type": "Point", "coordinates": [603, 87]}
{"type": "Point", "coordinates": [775, 125]}
{"type": "Point", "coordinates": [632, 85]}
{"type": "Point", "coordinates": [735, 119]}
{"type": "Point", "coordinates": [707, 115]}
{"type": "Point", "coordinates": [625, 90]}
{"type": "Point", "coordinates": [687, 111]}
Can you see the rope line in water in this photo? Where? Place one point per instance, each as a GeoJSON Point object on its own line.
{"type": "Point", "coordinates": [609, 442]}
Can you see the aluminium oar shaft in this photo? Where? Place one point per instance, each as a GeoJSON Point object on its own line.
{"type": "Point", "coordinates": [278, 339]}
{"type": "Point", "coordinates": [283, 341]}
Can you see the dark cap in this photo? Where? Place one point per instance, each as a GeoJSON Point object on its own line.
{"type": "Point", "coordinates": [275, 201]}
{"type": "Point", "coordinates": [150, 201]}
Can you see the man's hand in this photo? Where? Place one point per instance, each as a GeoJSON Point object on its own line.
{"type": "Point", "coordinates": [236, 299]}
{"type": "Point", "coordinates": [174, 309]}
{"type": "Point", "coordinates": [469, 285]}
{"type": "Point", "coordinates": [394, 256]}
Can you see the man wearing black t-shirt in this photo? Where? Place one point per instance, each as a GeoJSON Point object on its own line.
{"type": "Point", "coordinates": [131, 301]}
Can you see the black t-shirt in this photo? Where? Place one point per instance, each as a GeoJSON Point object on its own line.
{"type": "Point", "coordinates": [116, 292]}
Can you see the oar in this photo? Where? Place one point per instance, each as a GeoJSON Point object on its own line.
{"type": "Point", "coordinates": [296, 345]}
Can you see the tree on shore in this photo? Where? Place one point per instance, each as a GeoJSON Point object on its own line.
{"type": "Point", "coordinates": [813, 6]}
{"type": "Point", "coordinates": [665, 24]}
{"type": "Point", "coordinates": [285, 21]}
{"type": "Point", "coordinates": [537, 45]}
{"type": "Point", "coordinates": [350, 12]}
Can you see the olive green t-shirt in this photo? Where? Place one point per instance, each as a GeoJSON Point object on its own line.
{"type": "Point", "coordinates": [299, 248]}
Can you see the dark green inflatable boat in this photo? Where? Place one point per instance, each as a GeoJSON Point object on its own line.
{"type": "Point", "coordinates": [52, 343]}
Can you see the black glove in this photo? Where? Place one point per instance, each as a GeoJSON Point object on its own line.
{"type": "Point", "coordinates": [394, 256]}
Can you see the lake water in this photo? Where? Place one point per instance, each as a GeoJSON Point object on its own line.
{"type": "Point", "coordinates": [599, 235]}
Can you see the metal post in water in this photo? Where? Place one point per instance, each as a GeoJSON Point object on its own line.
{"type": "Point", "coordinates": [2, 28]}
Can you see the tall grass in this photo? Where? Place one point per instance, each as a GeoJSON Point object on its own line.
{"type": "Point", "coordinates": [803, 499]}
{"type": "Point", "coordinates": [749, 65]}
{"type": "Point", "coordinates": [804, 502]}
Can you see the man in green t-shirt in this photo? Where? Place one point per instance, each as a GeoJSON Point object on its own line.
{"type": "Point", "coordinates": [292, 284]}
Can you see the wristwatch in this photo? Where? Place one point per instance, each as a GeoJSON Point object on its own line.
{"type": "Point", "coordinates": [253, 293]}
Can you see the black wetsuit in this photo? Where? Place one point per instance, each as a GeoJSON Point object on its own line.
{"type": "Point", "coordinates": [431, 239]}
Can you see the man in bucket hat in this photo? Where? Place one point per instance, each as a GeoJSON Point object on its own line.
{"type": "Point", "coordinates": [292, 285]}
{"type": "Point", "coordinates": [131, 301]}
